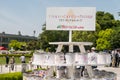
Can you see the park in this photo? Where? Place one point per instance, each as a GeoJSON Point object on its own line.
{"type": "Point", "coordinates": [76, 52]}
{"type": "Point", "coordinates": [76, 42]}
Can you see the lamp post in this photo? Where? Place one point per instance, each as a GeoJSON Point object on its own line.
{"type": "Point", "coordinates": [118, 13]}
{"type": "Point", "coordinates": [34, 33]}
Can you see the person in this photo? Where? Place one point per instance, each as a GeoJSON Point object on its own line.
{"type": "Point", "coordinates": [12, 62]}
{"type": "Point", "coordinates": [82, 68]}
{"type": "Point", "coordinates": [30, 62]}
{"type": "Point", "coordinates": [7, 60]}
{"type": "Point", "coordinates": [93, 51]}
{"type": "Point", "coordinates": [88, 51]}
{"type": "Point", "coordinates": [24, 65]}
{"type": "Point", "coordinates": [113, 58]}
{"type": "Point", "coordinates": [117, 59]}
{"type": "Point", "coordinates": [22, 58]}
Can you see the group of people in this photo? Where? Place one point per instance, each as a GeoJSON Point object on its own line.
{"type": "Point", "coordinates": [115, 58]}
{"type": "Point", "coordinates": [11, 60]}
{"type": "Point", "coordinates": [82, 68]}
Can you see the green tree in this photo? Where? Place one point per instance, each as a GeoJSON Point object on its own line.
{"type": "Point", "coordinates": [101, 37]}
{"type": "Point", "coordinates": [33, 45]}
{"type": "Point", "coordinates": [86, 36]}
{"type": "Point", "coordinates": [105, 20]}
{"type": "Point", "coordinates": [22, 46]}
{"type": "Point", "coordinates": [17, 45]}
{"type": "Point", "coordinates": [102, 44]}
{"type": "Point", "coordinates": [115, 40]}
{"type": "Point", "coordinates": [104, 37]}
{"type": "Point", "coordinates": [51, 36]}
{"type": "Point", "coordinates": [117, 24]}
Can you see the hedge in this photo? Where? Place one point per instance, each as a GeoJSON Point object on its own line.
{"type": "Point", "coordinates": [11, 76]}
{"type": "Point", "coordinates": [16, 55]}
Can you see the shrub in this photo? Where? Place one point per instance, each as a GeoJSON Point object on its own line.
{"type": "Point", "coordinates": [11, 76]}
{"type": "Point", "coordinates": [16, 55]}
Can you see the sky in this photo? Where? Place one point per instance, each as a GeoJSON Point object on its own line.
{"type": "Point", "coordinates": [29, 15]}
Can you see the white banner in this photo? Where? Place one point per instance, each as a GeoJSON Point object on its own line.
{"type": "Point", "coordinates": [71, 59]}
{"type": "Point", "coordinates": [71, 18]}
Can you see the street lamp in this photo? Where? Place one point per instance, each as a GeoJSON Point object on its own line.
{"type": "Point", "coordinates": [118, 13]}
{"type": "Point", "coordinates": [34, 33]}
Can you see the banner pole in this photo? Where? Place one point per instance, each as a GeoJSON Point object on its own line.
{"type": "Point", "coordinates": [70, 40]}
{"type": "Point", "coordinates": [70, 35]}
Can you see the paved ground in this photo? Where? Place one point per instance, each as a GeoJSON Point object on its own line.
{"type": "Point", "coordinates": [111, 69]}
{"type": "Point", "coordinates": [4, 69]}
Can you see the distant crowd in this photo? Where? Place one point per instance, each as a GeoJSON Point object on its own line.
{"type": "Point", "coordinates": [11, 60]}
{"type": "Point", "coordinates": [115, 58]}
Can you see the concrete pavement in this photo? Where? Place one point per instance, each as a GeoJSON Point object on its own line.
{"type": "Point", "coordinates": [4, 69]}
{"type": "Point", "coordinates": [111, 69]}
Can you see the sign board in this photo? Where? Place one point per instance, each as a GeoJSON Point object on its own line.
{"type": "Point", "coordinates": [71, 18]}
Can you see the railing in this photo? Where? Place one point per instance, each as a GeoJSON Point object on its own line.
{"type": "Point", "coordinates": [17, 68]}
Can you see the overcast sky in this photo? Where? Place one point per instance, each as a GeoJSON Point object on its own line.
{"type": "Point", "coordinates": [29, 15]}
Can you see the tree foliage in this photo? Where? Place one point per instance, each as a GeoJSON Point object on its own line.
{"type": "Point", "coordinates": [51, 36]}
{"type": "Point", "coordinates": [33, 45]}
{"type": "Point", "coordinates": [104, 37]}
{"type": "Point", "coordinates": [102, 44]}
{"type": "Point", "coordinates": [86, 36]}
{"type": "Point", "coordinates": [105, 20]}
{"type": "Point", "coordinates": [17, 45]}
{"type": "Point", "coordinates": [115, 40]}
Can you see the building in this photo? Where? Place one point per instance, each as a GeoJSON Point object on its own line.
{"type": "Point", "coordinates": [6, 38]}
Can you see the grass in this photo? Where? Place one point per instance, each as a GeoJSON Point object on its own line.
{"type": "Point", "coordinates": [11, 76]}
{"type": "Point", "coordinates": [17, 60]}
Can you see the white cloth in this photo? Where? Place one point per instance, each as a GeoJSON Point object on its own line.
{"type": "Point", "coordinates": [92, 58]}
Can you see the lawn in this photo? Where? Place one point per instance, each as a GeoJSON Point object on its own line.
{"type": "Point", "coordinates": [17, 60]}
